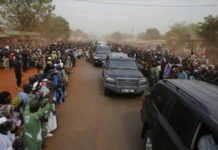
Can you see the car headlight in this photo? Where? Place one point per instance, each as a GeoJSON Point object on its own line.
{"type": "Point", "coordinates": [110, 80]}
{"type": "Point", "coordinates": [142, 80]}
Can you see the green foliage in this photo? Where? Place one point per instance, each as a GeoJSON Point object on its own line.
{"type": "Point", "coordinates": [181, 33]}
{"type": "Point", "coordinates": [26, 15]}
{"type": "Point", "coordinates": [34, 16]}
{"type": "Point", "coordinates": [209, 31]}
{"type": "Point", "coordinates": [55, 27]}
{"type": "Point", "coordinates": [79, 34]}
{"type": "Point", "coordinates": [178, 32]}
{"type": "Point", "coordinates": [150, 34]}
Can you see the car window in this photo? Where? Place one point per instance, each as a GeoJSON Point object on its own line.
{"type": "Point", "coordinates": [161, 96]}
{"type": "Point", "coordinates": [183, 121]}
{"type": "Point", "coordinates": [103, 50]}
{"type": "Point", "coordinates": [123, 64]}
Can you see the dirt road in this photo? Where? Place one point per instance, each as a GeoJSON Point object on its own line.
{"type": "Point", "coordinates": [91, 121]}
{"type": "Point", "coordinates": [8, 80]}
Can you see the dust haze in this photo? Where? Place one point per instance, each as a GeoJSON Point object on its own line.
{"type": "Point", "coordinates": [101, 17]}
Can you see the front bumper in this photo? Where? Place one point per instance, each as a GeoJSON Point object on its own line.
{"type": "Point", "coordinates": [125, 89]}
{"type": "Point", "coordinates": [99, 61]}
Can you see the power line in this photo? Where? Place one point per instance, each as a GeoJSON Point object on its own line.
{"type": "Point", "coordinates": [143, 5]}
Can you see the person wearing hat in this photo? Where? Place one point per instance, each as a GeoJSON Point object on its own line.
{"type": "Point", "coordinates": [16, 102]}
{"type": "Point", "coordinates": [54, 55]}
{"type": "Point", "coordinates": [32, 124]}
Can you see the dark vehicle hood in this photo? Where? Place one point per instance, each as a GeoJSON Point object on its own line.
{"type": "Point", "coordinates": [124, 73]}
{"type": "Point", "coordinates": [101, 55]}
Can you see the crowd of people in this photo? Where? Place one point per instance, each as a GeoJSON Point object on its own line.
{"type": "Point", "coordinates": [160, 63]}
{"type": "Point", "coordinates": [27, 119]}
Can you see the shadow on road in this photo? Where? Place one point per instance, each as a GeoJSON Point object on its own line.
{"type": "Point", "coordinates": [132, 133]}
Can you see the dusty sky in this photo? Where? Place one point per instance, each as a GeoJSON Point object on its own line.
{"type": "Point", "coordinates": [101, 17]}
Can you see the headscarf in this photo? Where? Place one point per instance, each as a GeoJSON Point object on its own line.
{"type": "Point", "coordinates": [16, 101]}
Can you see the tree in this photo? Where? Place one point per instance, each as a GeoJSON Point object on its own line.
{"type": "Point", "coordinates": [79, 34]}
{"type": "Point", "coordinates": [26, 15]}
{"type": "Point", "coordinates": [152, 34]}
{"type": "Point", "coordinates": [55, 27]}
{"type": "Point", "coordinates": [209, 31]}
{"type": "Point", "coordinates": [116, 36]}
{"type": "Point", "coordinates": [178, 31]}
{"type": "Point", "coordinates": [181, 34]}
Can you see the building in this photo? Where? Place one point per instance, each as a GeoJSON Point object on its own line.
{"type": "Point", "coordinates": [16, 38]}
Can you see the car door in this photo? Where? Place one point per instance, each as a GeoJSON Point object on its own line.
{"type": "Point", "coordinates": [161, 131]}
{"type": "Point", "coordinates": [177, 124]}
{"type": "Point", "coordinates": [183, 120]}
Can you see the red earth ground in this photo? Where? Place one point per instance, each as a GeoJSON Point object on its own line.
{"type": "Point", "coordinates": [8, 80]}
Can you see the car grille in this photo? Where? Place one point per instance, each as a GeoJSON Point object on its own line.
{"type": "Point", "coordinates": [127, 82]}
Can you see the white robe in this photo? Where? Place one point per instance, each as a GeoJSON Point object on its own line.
{"type": "Point", "coordinates": [6, 141]}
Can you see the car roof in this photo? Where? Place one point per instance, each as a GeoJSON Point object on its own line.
{"type": "Point", "coordinates": [204, 95]}
{"type": "Point", "coordinates": [120, 56]}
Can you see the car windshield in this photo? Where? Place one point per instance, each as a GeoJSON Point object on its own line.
{"type": "Point", "coordinates": [103, 50]}
{"type": "Point", "coordinates": [123, 64]}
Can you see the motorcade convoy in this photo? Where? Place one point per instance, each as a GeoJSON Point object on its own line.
{"type": "Point", "coordinates": [100, 54]}
{"type": "Point", "coordinates": [180, 115]}
{"type": "Point", "coordinates": [76, 52]}
{"type": "Point", "coordinates": [121, 75]}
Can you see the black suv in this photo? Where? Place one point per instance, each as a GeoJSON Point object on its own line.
{"type": "Point", "coordinates": [100, 54]}
{"type": "Point", "coordinates": [121, 75]}
{"type": "Point", "coordinates": [176, 114]}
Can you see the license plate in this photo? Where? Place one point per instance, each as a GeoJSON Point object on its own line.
{"type": "Point", "coordinates": [127, 90]}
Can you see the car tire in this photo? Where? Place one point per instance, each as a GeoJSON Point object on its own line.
{"type": "Point", "coordinates": [95, 65]}
{"type": "Point", "coordinates": [148, 141]}
{"type": "Point", "coordinates": [106, 92]}
{"type": "Point", "coordinates": [140, 94]}
{"type": "Point", "coordinates": [144, 129]}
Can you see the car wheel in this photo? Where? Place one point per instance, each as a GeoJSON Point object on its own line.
{"type": "Point", "coordinates": [106, 92]}
{"type": "Point", "coordinates": [148, 141]}
{"type": "Point", "coordinates": [95, 64]}
{"type": "Point", "coordinates": [140, 94]}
